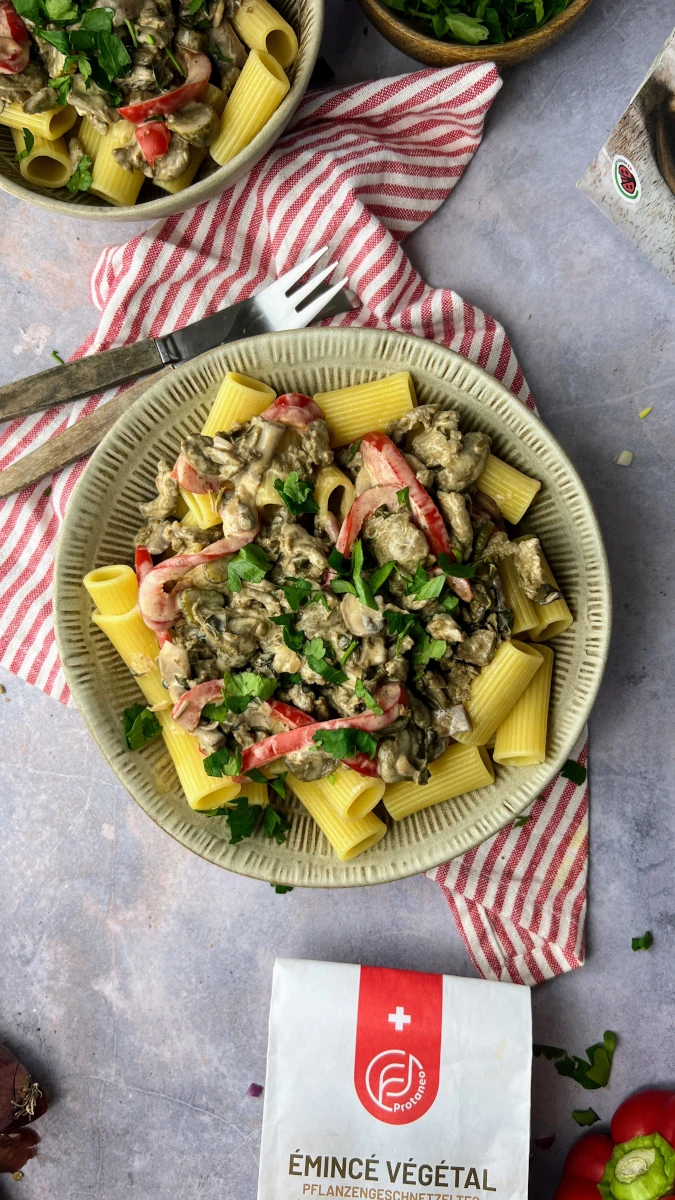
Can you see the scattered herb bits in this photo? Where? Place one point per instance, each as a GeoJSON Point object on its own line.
{"type": "Point", "coordinates": [643, 943]}
{"type": "Point", "coordinates": [574, 771]}
{"type": "Point", "coordinates": [140, 726]}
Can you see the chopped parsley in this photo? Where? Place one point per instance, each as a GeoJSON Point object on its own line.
{"type": "Point", "coordinates": [315, 653]}
{"type": "Point", "coordinates": [361, 587]}
{"type": "Point", "coordinates": [140, 726]}
{"type": "Point", "coordinates": [355, 448]}
{"type": "Point", "coordinates": [57, 358]}
{"type": "Point", "coordinates": [339, 563]}
{"type": "Point", "coordinates": [113, 56]}
{"type": "Point", "coordinates": [403, 497]}
{"type": "Point", "coordinates": [400, 623]}
{"type": "Point", "coordinates": [345, 743]}
{"type": "Point", "coordinates": [280, 888]}
{"type": "Point", "coordinates": [276, 782]}
{"type": "Point", "coordinates": [61, 10]}
{"type": "Point", "coordinates": [293, 638]}
{"type": "Point", "coordinates": [238, 691]}
{"type": "Point", "coordinates": [223, 762]}
{"type": "Point", "coordinates": [342, 585]}
{"type": "Point", "coordinates": [585, 1116]}
{"type": "Point", "coordinates": [380, 576]}
{"type": "Point", "coordinates": [574, 771]}
{"type": "Point", "coordinates": [368, 699]}
{"type": "Point", "coordinates": [289, 679]}
{"type": "Point", "coordinates": [301, 591]}
{"type": "Point", "coordinates": [251, 565]}
{"type": "Point", "coordinates": [350, 650]}
{"type": "Point", "coordinates": [243, 819]}
{"type": "Point", "coordinates": [34, 10]}
{"type": "Point", "coordinates": [80, 180]}
{"type": "Point", "coordinates": [297, 495]}
{"type": "Point", "coordinates": [591, 1073]}
{"type": "Point", "coordinates": [427, 648]}
{"type": "Point", "coordinates": [450, 602]}
{"type": "Point", "coordinates": [643, 943]}
{"type": "Point", "coordinates": [520, 821]}
{"type": "Point", "coordinates": [423, 586]}
{"type": "Point", "coordinates": [456, 570]}
{"type": "Point", "coordinates": [275, 824]}
{"type": "Point", "coordinates": [174, 60]}
{"type": "Point", "coordinates": [28, 143]}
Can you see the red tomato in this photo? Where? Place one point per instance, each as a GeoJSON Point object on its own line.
{"type": "Point", "coordinates": [14, 42]}
{"type": "Point", "coordinates": [647, 1112]}
{"type": "Point", "coordinates": [153, 139]}
{"type": "Point", "coordinates": [588, 1158]}
{"type": "Point", "coordinates": [577, 1189]}
{"type": "Point", "coordinates": [198, 75]}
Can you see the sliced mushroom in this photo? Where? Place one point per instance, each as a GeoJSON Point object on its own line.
{"type": "Point", "coordinates": [359, 619]}
{"type": "Point", "coordinates": [197, 123]}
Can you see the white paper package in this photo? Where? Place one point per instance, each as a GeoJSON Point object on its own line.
{"type": "Point", "coordinates": [395, 1085]}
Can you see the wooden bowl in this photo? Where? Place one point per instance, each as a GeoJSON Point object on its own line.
{"type": "Point", "coordinates": [306, 17]}
{"type": "Point", "coordinates": [437, 53]}
{"type": "Point", "coordinates": [102, 519]}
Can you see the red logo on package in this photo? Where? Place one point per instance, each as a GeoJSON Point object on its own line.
{"type": "Point", "coordinates": [398, 1043]}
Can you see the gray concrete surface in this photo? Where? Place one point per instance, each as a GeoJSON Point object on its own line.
{"type": "Point", "coordinates": [134, 977]}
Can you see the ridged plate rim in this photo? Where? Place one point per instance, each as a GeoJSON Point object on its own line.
{"type": "Point", "coordinates": [315, 360]}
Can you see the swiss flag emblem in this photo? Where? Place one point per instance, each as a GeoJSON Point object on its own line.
{"type": "Point", "coordinates": [398, 1043]}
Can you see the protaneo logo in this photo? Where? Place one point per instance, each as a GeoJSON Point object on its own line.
{"type": "Point", "coordinates": [626, 178]}
{"type": "Point", "coordinates": [396, 1081]}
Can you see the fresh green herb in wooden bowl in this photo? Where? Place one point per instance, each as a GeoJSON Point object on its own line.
{"type": "Point", "coordinates": [443, 32]}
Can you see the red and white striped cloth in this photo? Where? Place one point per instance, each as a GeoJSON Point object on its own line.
{"type": "Point", "coordinates": [358, 170]}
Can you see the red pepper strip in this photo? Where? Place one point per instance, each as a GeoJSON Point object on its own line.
{"type": "Point", "coordinates": [293, 717]}
{"type": "Point", "coordinates": [293, 409]}
{"type": "Point", "coordinates": [143, 563]}
{"type": "Point", "coordinates": [198, 75]}
{"type": "Point", "coordinates": [652, 1111]}
{"type": "Point", "coordinates": [390, 697]}
{"type": "Point", "coordinates": [159, 608]}
{"type": "Point", "coordinates": [386, 465]}
{"type": "Point", "coordinates": [363, 764]}
{"type": "Point", "coordinates": [190, 479]}
{"type": "Point", "coordinates": [187, 710]}
{"type": "Point", "coordinates": [14, 40]}
{"type": "Point", "coordinates": [362, 508]}
{"type": "Point", "coordinates": [153, 138]}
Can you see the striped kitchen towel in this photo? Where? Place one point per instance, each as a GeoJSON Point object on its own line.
{"type": "Point", "coordinates": [358, 169]}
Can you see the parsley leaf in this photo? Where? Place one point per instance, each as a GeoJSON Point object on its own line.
{"type": "Point", "coordinates": [113, 56]}
{"type": "Point", "coordinates": [251, 564]}
{"type": "Point", "coordinates": [238, 691]}
{"type": "Point", "coordinates": [140, 726]}
{"type": "Point", "coordinates": [276, 782]}
{"type": "Point", "coordinates": [585, 1116]}
{"type": "Point", "coordinates": [574, 771]}
{"type": "Point", "coordinates": [56, 37]}
{"type": "Point", "coordinates": [450, 602]}
{"type": "Point", "coordinates": [275, 824]}
{"type": "Point", "coordinates": [80, 180]}
{"type": "Point", "coordinates": [369, 700]}
{"type": "Point", "coordinates": [520, 821]}
{"type": "Point", "coordinates": [345, 743]}
{"type": "Point", "coordinates": [342, 585]}
{"type": "Point", "coordinates": [57, 358]}
{"type": "Point", "coordinates": [427, 648]}
{"type": "Point", "coordinates": [350, 650]}
{"type": "Point", "coordinates": [296, 494]}
{"type": "Point", "coordinates": [423, 586]}
{"type": "Point", "coordinates": [296, 591]}
{"type": "Point", "coordinates": [315, 653]}
{"type": "Point", "coordinates": [33, 10]}
{"type": "Point", "coordinates": [279, 888]}
{"type": "Point", "coordinates": [457, 570]}
{"type": "Point", "coordinates": [61, 10]}
{"type": "Point", "coordinates": [339, 563]}
{"type": "Point", "coordinates": [355, 448]}
{"type": "Point", "coordinates": [363, 589]}
{"type": "Point", "coordinates": [98, 20]}
{"type": "Point", "coordinates": [241, 816]}
{"type": "Point", "coordinates": [223, 762]}
{"type": "Point", "coordinates": [644, 942]}
{"type": "Point", "coordinates": [28, 143]}
{"type": "Point", "coordinates": [401, 624]}
{"type": "Point", "coordinates": [380, 576]}
{"type": "Point", "coordinates": [293, 638]}
{"type": "Point", "coordinates": [61, 85]}
{"type": "Point", "coordinates": [403, 497]}
{"type": "Point", "coordinates": [288, 679]}
{"type": "Point", "coordinates": [194, 6]}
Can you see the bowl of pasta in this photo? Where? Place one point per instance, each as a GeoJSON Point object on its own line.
{"type": "Point", "coordinates": [334, 604]}
{"type": "Point", "coordinates": [130, 109]}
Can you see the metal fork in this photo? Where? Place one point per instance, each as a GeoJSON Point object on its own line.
{"type": "Point", "coordinates": [285, 304]}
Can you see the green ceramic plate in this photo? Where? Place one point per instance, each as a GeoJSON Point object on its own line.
{"type": "Point", "coordinates": [103, 517]}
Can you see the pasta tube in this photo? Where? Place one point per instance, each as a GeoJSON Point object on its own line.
{"type": "Point", "coordinates": [48, 125]}
{"type": "Point", "coordinates": [353, 411]}
{"type": "Point", "coordinates": [524, 610]}
{"type": "Point", "coordinates": [521, 738]}
{"type": "Point", "coordinates": [217, 98]}
{"type": "Point", "coordinates": [238, 399]}
{"type": "Point", "coordinates": [201, 508]}
{"type": "Point", "coordinates": [257, 94]}
{"type": "Point", "coordinates": [461, 769]}
{"type": "Point", "coordinates": [47, 162]}
{"type": "Point", "coordinates": [89, 138]}
{"type": "Point", "coordinates": [256, 793]}
{"type": "Point", "coordinates": [110, 181]}
{"type": "Point", "coordinates": [553, 618]}
{"type": "Point", "coordinates": [262, 28]}
{"type": "Point", "coordinates": [513, 491]}
{"type": "Point", "coordinates": [350, 794]}
{"type": "Point", "coordinates": [334, 494]}
{"type": "Point", "coordinates": [114, 591]}
{"type": "Point", "coordinates": [498, 687]}
{"type": "Point", "coordinates": [347, 837]}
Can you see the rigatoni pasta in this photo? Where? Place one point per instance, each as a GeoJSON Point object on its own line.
{"type": "Point", "coordinates": [350, 794]}
{"type": "Point", "coordinates": [353, 411]}
{"type": "Point", "coordinates": [110, 181]}
{"type": "Point", "coordinates": [348, 837]}
{"type": "Point", "coordinates": [461, 769]}
{"type": "Point", "coordinates": [552, 619]}
{"type": "Point", "coordinates": [49, 125]}
{"type": "Point", "coordinates": [239, 398]}
{"type": "Point", "coordinates": [46, 163]}
{"type": "Point", "coordinates": [89, 138]}
{"type": "Point", "coordinates": [513, 491]}
{"type": "Point", "coordinates": [521, 738]}
{"type": "Point", "coordinates": [525, 615]}
{"type": "Point", "coordinates": [499, 686]}
{"type": "Point", "coordinates": [257, 94]}
{"type": "Point", "coordinates": [263, 28]}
